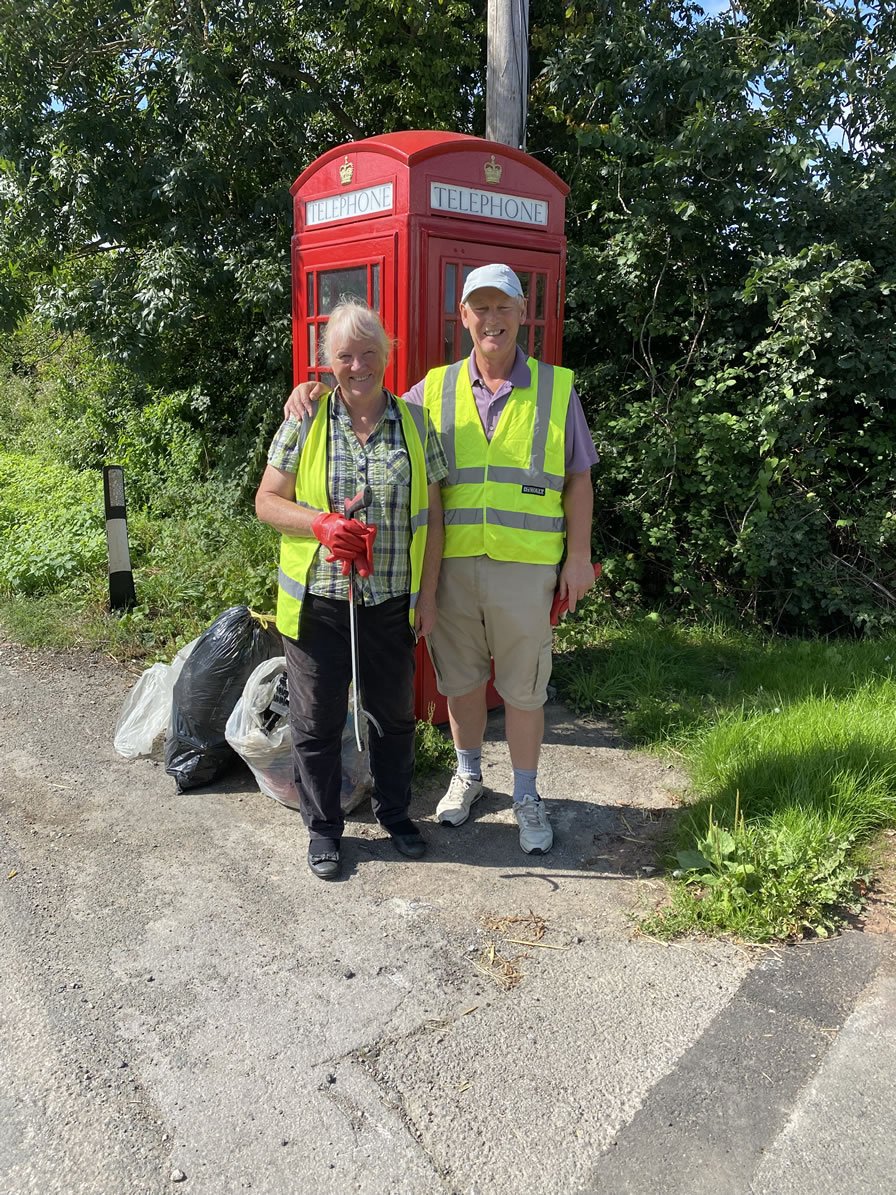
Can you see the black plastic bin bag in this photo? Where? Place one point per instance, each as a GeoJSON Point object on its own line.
{"type": "Point", "coordinates": [208, 688]}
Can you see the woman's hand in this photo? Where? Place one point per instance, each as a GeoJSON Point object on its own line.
{"type": "Point", "coordinates": [298, 405]}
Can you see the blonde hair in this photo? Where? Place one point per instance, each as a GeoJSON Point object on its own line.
{"type": "Point", "coordinates": [353, 319]}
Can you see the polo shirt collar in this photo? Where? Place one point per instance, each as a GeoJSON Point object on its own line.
{"type": "Point", "coordinates": [520, 374]}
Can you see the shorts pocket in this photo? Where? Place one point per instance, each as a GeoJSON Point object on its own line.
{"type": "Point", "coordinates": [543, 673]}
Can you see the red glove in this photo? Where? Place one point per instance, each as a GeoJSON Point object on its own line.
{"type": "Point", "coordinates": [560, 605]}
{"type": "Point", "coordinates": [364, 560]}
{"type": "Point", "coordinates": [344, 537]}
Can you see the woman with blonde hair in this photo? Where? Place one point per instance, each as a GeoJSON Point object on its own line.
{"type": "Point", "coordinates": [356, 435]}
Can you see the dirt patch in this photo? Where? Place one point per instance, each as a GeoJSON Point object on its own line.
{"type": "Point", "coordinates": [879, 914]}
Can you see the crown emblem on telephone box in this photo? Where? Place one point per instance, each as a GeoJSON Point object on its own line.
{"type": "Point", "coordinates": [493, 170]}
{"type": "Point", "coordinates": [346, 170]}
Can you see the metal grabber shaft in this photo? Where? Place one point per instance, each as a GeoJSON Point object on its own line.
{"type": "Point", "coordinates": [361, 501]}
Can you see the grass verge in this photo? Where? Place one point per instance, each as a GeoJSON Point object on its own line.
{"type": "Point", "coordinates": [791, 750]}
{"type": "Point", "coordinates": [205, 553]}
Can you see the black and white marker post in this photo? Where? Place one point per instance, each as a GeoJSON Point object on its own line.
{"type": "Point", "coordinates": [122, 595]}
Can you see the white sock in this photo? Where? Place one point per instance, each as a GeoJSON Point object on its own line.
{"type": "Point", "coordinates": [469, 763]}
{"type": "Point", "coordinates": [524, 783]}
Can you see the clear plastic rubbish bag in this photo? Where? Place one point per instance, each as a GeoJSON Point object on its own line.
{"type": "Point", "coordinates": [146, 711]}
{"type": "Point", "coordinates": [258, 731]}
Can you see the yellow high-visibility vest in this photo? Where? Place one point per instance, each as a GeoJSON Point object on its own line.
{"type": "Point", "coordinates": [503, 497]}
{"type": "Point", "coordinates": [297, 552]}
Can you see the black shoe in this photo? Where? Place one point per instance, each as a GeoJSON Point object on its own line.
{"type": "Point", "coordinates": [407, 839]}
{"type": "Point", "coordinates": [323, 858]}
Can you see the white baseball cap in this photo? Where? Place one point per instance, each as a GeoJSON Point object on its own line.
{"type": "Point", "coordinates": [498, 276]}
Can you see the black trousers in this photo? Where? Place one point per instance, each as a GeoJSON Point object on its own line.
{"type": "Point", "coordinates": [319, 669]}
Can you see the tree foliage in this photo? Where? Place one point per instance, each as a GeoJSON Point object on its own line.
{"type": "Point", "coordinates": [730, 298]}
{"type": "Point", "coordinates": [147, 148]}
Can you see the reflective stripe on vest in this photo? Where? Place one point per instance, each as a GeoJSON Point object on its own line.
{"type": "Point", "coordinates": [294, 589]}
{"type": "Point", "coordinates": [503, 498]}
{"type": "Point", "coordinates": [297, 552]}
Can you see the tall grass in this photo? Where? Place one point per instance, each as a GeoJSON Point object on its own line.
{"type": "Point", "coordinates": [207, 552]}
{"type": "Point", "coordinates": [196, 547]}
{"type": "Point", "coordinates": [791, 751]}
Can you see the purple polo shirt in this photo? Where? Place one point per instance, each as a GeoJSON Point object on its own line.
{"type": "Point", "coordinates": [580, 451]}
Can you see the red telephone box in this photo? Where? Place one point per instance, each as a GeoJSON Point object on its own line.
{"type": "Point", "coordinates": [400, 221]}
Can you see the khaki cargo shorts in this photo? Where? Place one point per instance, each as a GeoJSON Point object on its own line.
{"type": "Point", "coordinates": [494, 609]}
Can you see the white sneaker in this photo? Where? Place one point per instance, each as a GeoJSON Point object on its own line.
{"type": "Point", "coordinates": [536, 835]}
{"type": "Point", "coordinates": [454, 807]}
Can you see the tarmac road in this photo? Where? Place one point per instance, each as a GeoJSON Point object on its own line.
{"type": "Point", "coordinates": [185, 1008]}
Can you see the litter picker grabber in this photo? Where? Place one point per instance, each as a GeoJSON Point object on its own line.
{"type": "Point", "coordinates": [361, 501]}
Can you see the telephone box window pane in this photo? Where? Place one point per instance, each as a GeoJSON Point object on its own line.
{"type": "Point", "coordinates": [311, 310]}
{"type": "Point", "coordinates": [466, 344]}
{"type": "Point", "coordinates": [448, 342]}
{"type": "Point", "coordinates": [450, 288]}
{"type": "Point", "coordinates": [375, 287]}
{"type": "Point", "coordinates": [332, 285]}
{"type": "Point", "coordinates": [539, 296]}
{"type": "Point", "coordinates": [525, 282]}
{"type": "Point", "coordinates": [538, 343]}
{"type": "Point", "coordinates": [312, 345]}
{"type": "Point", "coordinates": [522, 338]}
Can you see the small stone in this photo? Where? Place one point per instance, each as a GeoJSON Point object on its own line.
{"type": "Point", "coordinates": [348, 973]}
{"type": "Point", "coordinates": [178, 1176]}
{"type": "Point", "coordinates": [284, 1141]}
{"type": "Point", "coordinates": [331, 1078]}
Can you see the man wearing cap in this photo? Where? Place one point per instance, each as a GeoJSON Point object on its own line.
{"type": "Point", "coordinates": [518, 506]}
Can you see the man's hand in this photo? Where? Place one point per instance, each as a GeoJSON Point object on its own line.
{"type": "Point", "coordinates": [576, 578]}
{"type": "Point", "coordinates": [425, 614]}
{"type": "Point", "coordinates": [298, 405]}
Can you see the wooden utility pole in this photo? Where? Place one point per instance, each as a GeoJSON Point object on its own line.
{"type": "Point", "coordinates": [507, 81]}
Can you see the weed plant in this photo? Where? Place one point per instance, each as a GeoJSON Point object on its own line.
{"type": "Point", "coordinates": [791, 751]}
{"type": "Point", "coordinates": [434, 751]}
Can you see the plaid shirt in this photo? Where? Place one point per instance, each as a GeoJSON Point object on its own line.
{"type": "Point", "coordinates": [383, 464]}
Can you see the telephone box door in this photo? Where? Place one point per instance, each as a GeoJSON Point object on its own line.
{"type": "Point", "coordinates": [365, 270]}
{"type": "Point", "coordinates": [449, 263]}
